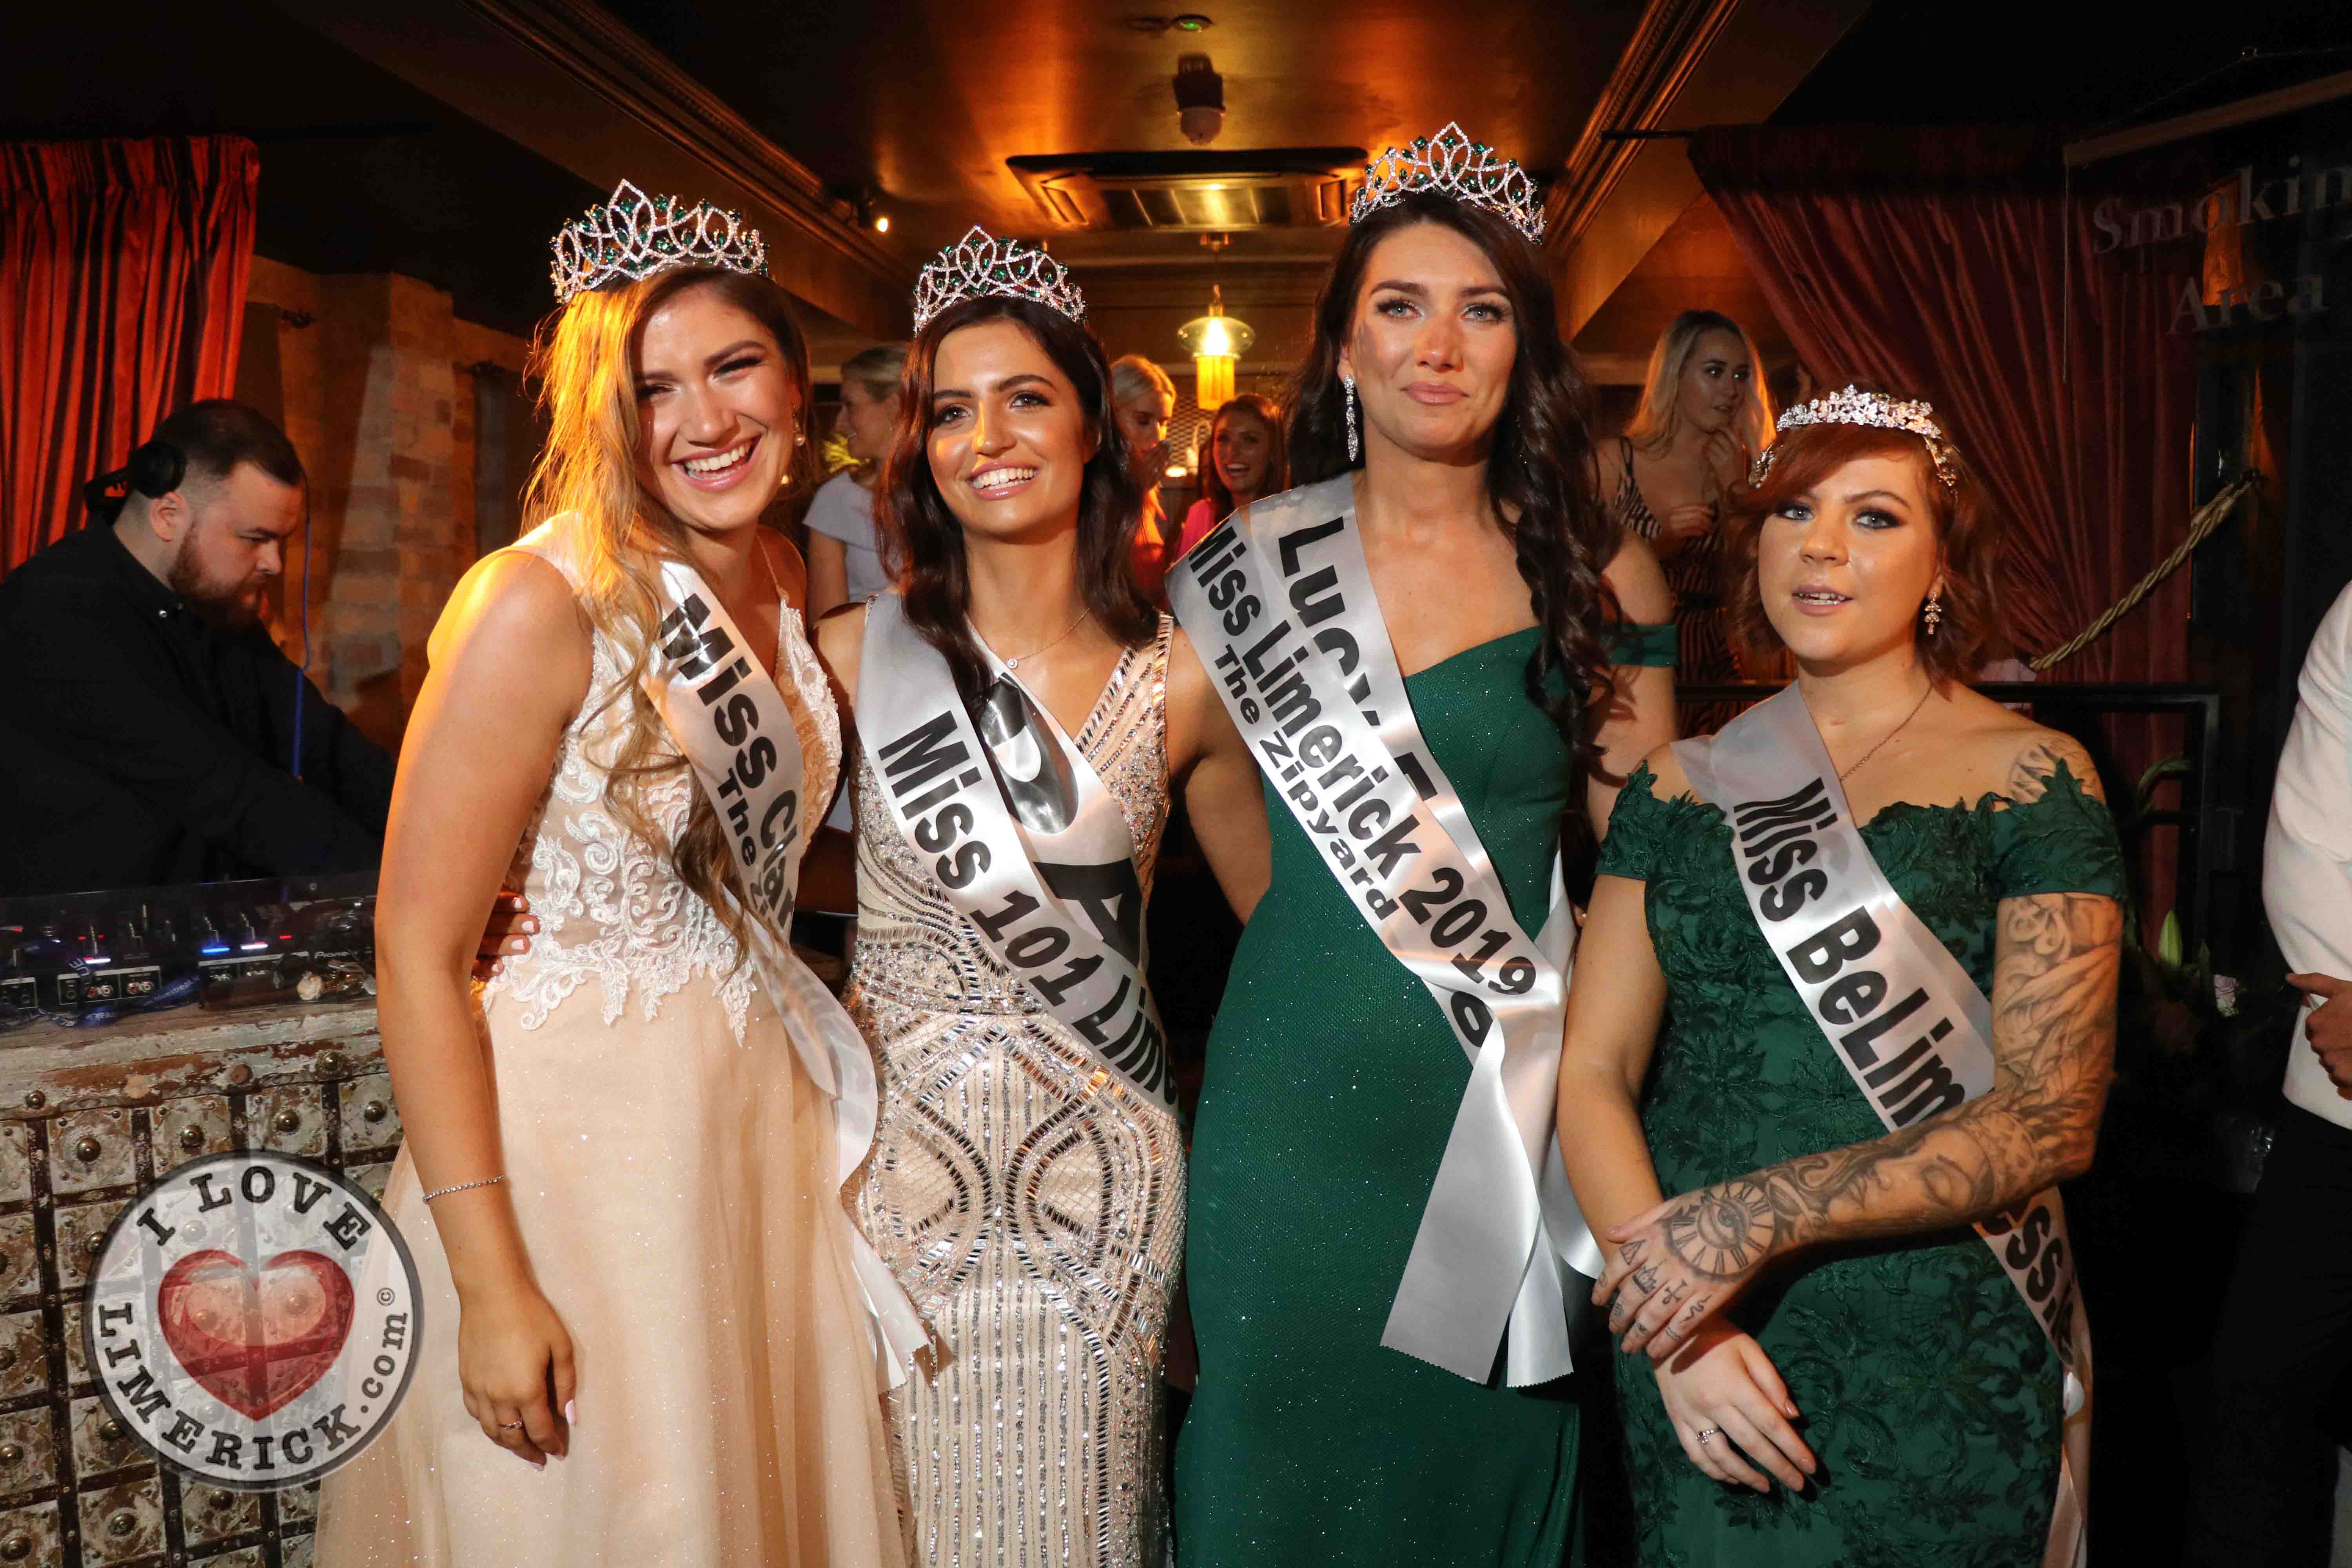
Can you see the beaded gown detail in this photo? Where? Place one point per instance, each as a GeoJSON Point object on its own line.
{"type": "Point", "coordinates": [671, 1167]}
{"type": "Point", "coordinates": [1032, 1208]}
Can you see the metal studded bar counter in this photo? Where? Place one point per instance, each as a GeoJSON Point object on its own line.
{"type": "Point", "coordinates": [87, 1119]}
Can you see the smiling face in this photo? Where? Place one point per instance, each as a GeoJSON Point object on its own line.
{"type": "Point", "coordinates": [1009, 441]}
{"type": "Point", "coordinates": [1843, 567]}
{"type": "Point", "coordinates": [1715, 381]}
{"type": "Point", "coordinates": [718, 412]}
{"type": "Point", "coordinates": [1432, 344]}
{"type": "Point", "coordinates": [1239, 451]}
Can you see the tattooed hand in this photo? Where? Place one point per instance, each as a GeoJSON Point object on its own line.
{"type": "Point", "coordinates": [1685, 1260]}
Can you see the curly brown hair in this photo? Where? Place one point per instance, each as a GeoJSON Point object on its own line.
{"type": "Point", "coordinates": [1968, 536]}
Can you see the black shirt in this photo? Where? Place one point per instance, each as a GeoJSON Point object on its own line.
{"type": "Point", "coordinates": [141, 746]}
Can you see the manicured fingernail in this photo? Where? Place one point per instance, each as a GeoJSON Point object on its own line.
{"type": "Point", "coordinates": [567, 1410]}
{"type": "Point", "coordinates": [1792, 1410]}
{"type": "Point", "coordinates": [530, 925]}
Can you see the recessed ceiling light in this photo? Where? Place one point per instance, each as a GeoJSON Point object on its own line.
{"type": "Point", "coordinates": [1190, 22]}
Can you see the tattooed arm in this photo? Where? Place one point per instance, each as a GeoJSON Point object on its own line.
{"type": "Point", "coordinates": [2054, 1045]}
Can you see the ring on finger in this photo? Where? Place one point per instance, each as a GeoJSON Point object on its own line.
{"type": "Point", "coordinates": [510, 1426]}
{"type": "Point", "coordinates": [1706, 1434]}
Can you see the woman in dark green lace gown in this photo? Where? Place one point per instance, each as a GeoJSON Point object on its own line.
{"type": "Point", "coordinates": [1854, 1340]}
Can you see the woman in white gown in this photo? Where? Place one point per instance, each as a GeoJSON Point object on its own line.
{"type": "Point", "coordinates": [622, 1177]}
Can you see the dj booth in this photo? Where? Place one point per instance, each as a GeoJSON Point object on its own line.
{"type": "Point", "coordinates": [141, 1029]}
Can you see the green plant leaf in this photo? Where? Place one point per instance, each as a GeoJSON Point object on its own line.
{"type": "Point", "coordinates": [2167, 941]}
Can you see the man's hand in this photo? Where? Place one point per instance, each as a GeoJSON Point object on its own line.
{"type": "Point", "coordinates": [508, 934]}
{"type": "Point", "coordinates": [2328, 1026]}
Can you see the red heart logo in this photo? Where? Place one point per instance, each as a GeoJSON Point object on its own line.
{"type": "Point", "coordinates": [255, 1341]}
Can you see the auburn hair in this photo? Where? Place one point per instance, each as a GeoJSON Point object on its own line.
{"type": "Point", "coordinates": [1972, 630]}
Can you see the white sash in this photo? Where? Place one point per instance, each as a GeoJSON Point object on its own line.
{"type": "Point", "coordinates": [1286, 617]}
{"type": "Point", "coordinates": [1049, 882]}
{"type": "Point", "coordinates": [732, 725]}
{"type": "Point", "coordinates": [1913, 1029]}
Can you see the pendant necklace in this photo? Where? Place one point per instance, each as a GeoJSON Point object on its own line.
{"type": "Point", "coordinates": [1014, 663]}
{"type": "Point", "coordinates": [1890, 734]}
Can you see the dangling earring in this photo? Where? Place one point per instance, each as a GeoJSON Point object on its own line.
{"type": "Point", "coordinates": [1349, 383]}
{"type": "Point", "coordinates": [1932, 611]}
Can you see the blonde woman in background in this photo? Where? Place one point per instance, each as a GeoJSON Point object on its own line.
{"type": "Point", "coordinates": [622, 1180]}
{"type": "Point", "coordinates": [1702, 419]}
{"type": "Point", "coordinates": [845, 561]}
{"type": "Point", "coordinates": [1145, 401]}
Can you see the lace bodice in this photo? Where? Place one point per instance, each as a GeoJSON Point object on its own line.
{"type": "Point", "coordinates": [912, 946]}
{"type": "Point", "coordinates": [611, 907]}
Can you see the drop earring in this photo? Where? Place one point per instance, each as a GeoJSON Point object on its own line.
{"type": "Point", "coordinates": [1932, 611]}
{"type": "Point", "coordinates": [1349, 383]}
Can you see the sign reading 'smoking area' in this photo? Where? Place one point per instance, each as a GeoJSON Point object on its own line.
{"type": "Point", "coordinates": [252, 1319]}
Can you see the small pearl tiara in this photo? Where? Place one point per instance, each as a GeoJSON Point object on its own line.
{"type": "Point", "coordinates": [1856, 406]}
{"type": "Point", "coordinates": [634, 235]}
{"type": "Point", "coordinates": [979, 266]}
{"type": "Point", "coordinates": [1451, 164]}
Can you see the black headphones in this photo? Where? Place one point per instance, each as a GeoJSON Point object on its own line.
{"type": "Point", "coordinates": [156, 468]}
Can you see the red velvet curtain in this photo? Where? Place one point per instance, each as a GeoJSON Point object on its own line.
{"type": "Point", "coordinates": [122, 279]}
{"type": "Point", "coordinates": [1936, 262]}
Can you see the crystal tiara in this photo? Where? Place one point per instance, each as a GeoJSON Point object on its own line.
{"type": "Point", "coordinates": [634, 235]}
{"type": "Point", "coordinates": [1856, 406]}
{"type": "Point", "coordinates": [979, 266]}
{"type": "Point", "coordinates": [1453, 166]}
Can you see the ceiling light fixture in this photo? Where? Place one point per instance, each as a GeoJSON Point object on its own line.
{"type": "Point", "coordinates": [1216, 342]}
{"type": "Point", "coordinates": [1199, 100]}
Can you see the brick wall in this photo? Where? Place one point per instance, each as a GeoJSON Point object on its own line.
{"type": "Point", "coordinates": [377, 382]}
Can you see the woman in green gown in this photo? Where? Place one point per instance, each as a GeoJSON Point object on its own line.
{"type": "Point", "coordinates": [1333, 1076]}
{"type": "Point", "coordinates": [1815, 1307]}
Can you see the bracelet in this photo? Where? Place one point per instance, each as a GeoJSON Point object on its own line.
{"type": "Point", "coordinates": [461, 1186]}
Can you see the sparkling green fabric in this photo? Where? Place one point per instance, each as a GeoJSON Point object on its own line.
{"type": "Point", "coordinates": [1333, 1083]}
{"type": "Point", "coordinates": [1651, 646]}
{"type": "Point", "coordinates": [1928, 1391]}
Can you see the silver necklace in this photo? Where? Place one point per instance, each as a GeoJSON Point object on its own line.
{"type": "Point", "coordinates": [1012, 664]}
{"type": "Point", "coordinates": [1844, 773]}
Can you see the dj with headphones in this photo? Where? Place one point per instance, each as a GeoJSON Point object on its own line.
{"type": "Point", "coordinates": [151, 731]}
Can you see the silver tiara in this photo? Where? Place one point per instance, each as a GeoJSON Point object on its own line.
{"type": "Point", "coordinates": [979, 266]}
{"type": "Point", "coordinates": [634, 235]}
{"type": "Point", "coordinates": [1453, 166]}
{"type": "Point", "coordinates": [1856, 406]}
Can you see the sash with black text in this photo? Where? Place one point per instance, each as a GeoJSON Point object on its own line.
{"type": "Point", "coordinates": [1023, 837]}
{"type": "Point", "coordinates": [1908, 1023]}
{"type": "Point", "coordinates": [733, 727]}
{"type": "Point", "coordinates": [1284, 617]}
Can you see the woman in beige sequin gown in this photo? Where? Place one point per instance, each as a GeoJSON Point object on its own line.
{"type": "Point", "coordinates": [670, 1239]}
{"type": "Point", "coordinates": [1030, 1204]}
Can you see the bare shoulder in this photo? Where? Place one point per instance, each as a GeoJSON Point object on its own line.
{"type": "Point", "coordinates": [2036, 755]}
{"type": "Point", "coordinates": [1639, 581]}
{"type": "Point", "coordinates": [840, 635]}
{"type": "Point", "coordinates": [511, 602]}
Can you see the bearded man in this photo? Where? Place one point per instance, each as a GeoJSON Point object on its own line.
{"type": "Point", "coordinates": [147, 722]}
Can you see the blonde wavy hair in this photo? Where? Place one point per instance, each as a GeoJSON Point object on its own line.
{"type": "Point", "coordinates": [617, 531]}
{"type": "Point", "coordinates": [1654, 423]}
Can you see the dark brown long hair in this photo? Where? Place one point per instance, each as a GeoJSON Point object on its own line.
{"type": "Point", "coordinates": [925, 541]}
{"type": "Point", "coordinates": [1278, 460]}
{"type": "Point", "coordinates": [1540, 469]}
